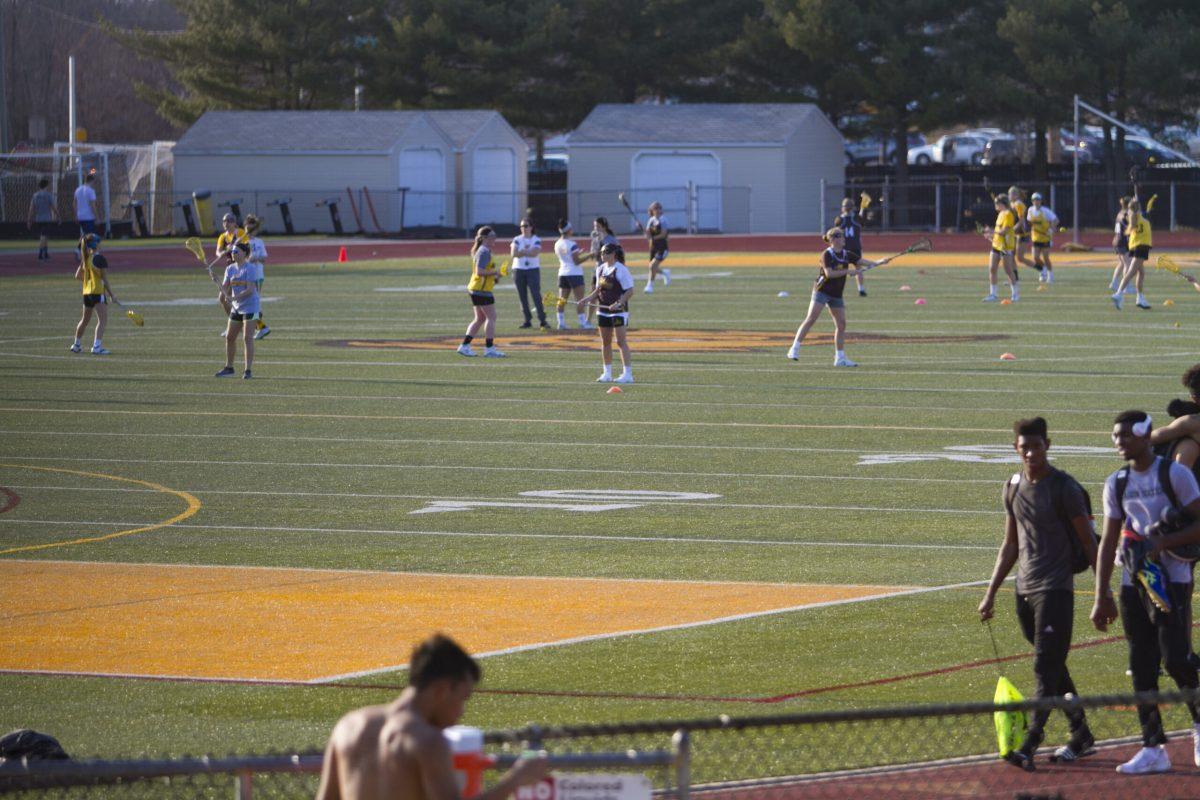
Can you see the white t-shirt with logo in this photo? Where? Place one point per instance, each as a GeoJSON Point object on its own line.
{"type": "Point", "coordinates": [1144, 503]}
{"type": "Point", "coordinates": [566, 249]}
{"type": "Point", "coordinates": [85, 201]}
{"type": "Point", "coordinates": [258, 254]}
{"type": "Point", "coordinates": [526, 243]}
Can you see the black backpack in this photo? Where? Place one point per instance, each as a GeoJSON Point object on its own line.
{"type": "Point", "coordinates": [1175, 518]}
{"type": "Point", "coordinates": [1079, 557]}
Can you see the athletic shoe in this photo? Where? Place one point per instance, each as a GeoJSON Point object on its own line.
{"type": "Point", "coordinates": [1050, 278]}
{"type": "Point", "coordinates": [545, 326]}
{"type": "Point", "coordinates": [793, 354]}
{"type": "Point", "coordinates": [492, 352]}
{"type": "Point", "coordinates": [844, 362]}
{"type": "Point", "coordinates": [1143, 306]}
{"type": "Point", "coordinates": [991, 298]}
{"type": "Point", "coordinates": [224, 373]}
{"type": "Point", "coordinates": [1148, 761]}
{"type": "Point", "coordinates": [246, 375]}
{"type": "Point", "coordinates": [587, 326]}
{"type": "Point", "coordinates": [605, 377]}
{"type": "Point", "coordinates": [1021, 759]}
{"type": "Point", "coordinates": [625, 378]}
{"type": "Point", "coordinates": [1015, 297]}
{"type": "Point", "coordinates": [99, 351]}
{"type": "Point", "coordinates": [1118, 300]}
{"type": "Point", "coordinates": [75, 348]}
{"type": "Point", "coordinates": [666, 276]}
{"type": "Point", "coordinates": [1081, 745]}
{"type": "Point", "coordinates": [224, 333]}
{"type": "Point", "coordinates": [1196, 744]}
{"type": "Point", "coordinates": [862, 292]}
{"type": "Point", "coordinates": [526, 324]}
{"type": "Point", "coordinates": [262, 332]}
{"type": "Point", "coordinates": [563, 327]}
{"type": "Point", "coordinates": [1152, 579]}
{"type": "Point", "coordinates": [649, 289]}
{"type": "Point", "coordinates": [465, 350]}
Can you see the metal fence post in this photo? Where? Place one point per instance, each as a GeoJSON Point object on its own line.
{"type": "Point", "coordinates": [107, 199]}
{"type": "Point", "coordinates": [243, 785]}
{"type": "Point", "coordinates": [822, 205]}
{"type": "Point", "coordinates": [1173, 218]}
{"type": "Point", "coordinates": [937, 206]}
{"type": "Point", "coordinates": [681, 744]}
{"type": "Point", "coordinates": [886, 202]}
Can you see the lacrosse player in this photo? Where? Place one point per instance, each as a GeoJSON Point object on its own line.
{"type": "Point", "coordinates": [656, 234]}
{"type": "Point", "coordinates": [92, 272]}
{"type": "Point", "coordinates": [1042, 221]}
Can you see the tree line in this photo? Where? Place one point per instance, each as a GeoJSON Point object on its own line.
{"type": "Point", "coordinates": [877, 67]}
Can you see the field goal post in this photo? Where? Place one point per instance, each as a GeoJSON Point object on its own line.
{"type": "Point", "coordinates": [1078, 105]}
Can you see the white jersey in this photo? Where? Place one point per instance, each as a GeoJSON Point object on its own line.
{"type": "Point", "coordinates": [1043, 211]}
{"type": "Point", "coordinates": [85, 200]}
{"type": "Point", "coordinates": [1145, 501]}
{"type": "Point", "coordinates": [526, 243]}
{"type": "Point", "coordinates": [654, 224]}
{"type": "Point", "coordinates": [620, 274]}
{"type": "Point", "coordinates": [566, 249]}
{"type": "Point", "coordinates": [258, 255]}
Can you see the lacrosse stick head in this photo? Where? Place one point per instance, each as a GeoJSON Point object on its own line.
{"type": "Point", "coordinates": [624, 200]}
{"type": "Point", "coordinates": [920, 246]}
{"type": "Point", "coordinates": [136, 318]}
{"type": "Point", "coordinates": [1167, 263]}
{"type": "Point", "coordinates": [864, 202]}
{"type": "Point", "coordinates": [194, 247]}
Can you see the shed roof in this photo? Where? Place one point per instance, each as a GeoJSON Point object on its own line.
{"type": "Point", "coordinates": [693, 123]}
{"type": "Point", "coordinates": [296, 131]}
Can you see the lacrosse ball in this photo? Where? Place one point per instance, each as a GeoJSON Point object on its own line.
{"type": "Point", "coordinates": [1007, 357]}
{"type": "Point", "coordinates": [906, 288]}
{"type": "Point", "coordinates": [920, 301]}
{"type": "Point", "coordinates": [613, 390]}
{"type": "Point", "coordinates": [1168, 303]}
{"type": "Point", "coordinates": [1176, 324]}
{"type": "Point", "coordinates": [782, 294]}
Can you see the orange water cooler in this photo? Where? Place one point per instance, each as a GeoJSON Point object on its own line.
{"type": "Point", "coordinates": [466, 747]}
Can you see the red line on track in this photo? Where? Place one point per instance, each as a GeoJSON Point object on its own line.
{"type": "Point", "coordinates": [11, 499]}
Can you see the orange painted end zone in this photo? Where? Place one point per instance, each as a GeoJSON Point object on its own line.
{"type": "Point", "coordinates": [294, 624]}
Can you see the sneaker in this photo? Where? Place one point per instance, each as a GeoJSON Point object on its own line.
{"type": "Point", "coordinates": [1148, 761]}
{"type": "Point", "coordinates": [1143, 305]}
{"type": "Point", "coordinates": [625, 378]}
{"type": "Point", "coordinates": [1081, 745]}
{"type": "Point", "coordinates": [587, 326]}
{"type": "Point", "coordinates": [99, 351]}
{"type": "Point", "coordinates": [1151, 577]}
{"type": "Point", "coordinates": [605, 377]}
{"type": "Point", "coordinates": [465, 350]}
{"type": "Point", "coordinates": [563, 327]}
{"type": "Point", "coordinates": [545, 326]}
{"type": "Point", "coordinates": [862, 292]}
{"type": "Point", "coordinates": [263, 332]}
{"type": "Point", "coordinates": [1021, 759]}
{"type": "Point", "coordinates": [793, 354]}
{"type": "Point", "coordinates": [649, 289]}
{"type": "Point", "coordinates": [526, 324]}
{"type": "Point", "coordinates": [1015, 297]}
{"type": "Point", "coordinates": [666, 273]}
{"type": "Point", "coordinates": [492, 352]}
{"type": "Point", "coordinates": [1118, 301]}
{"type": "Point", "coordinates": [246, 375]}
{"type": "Point", "coordinates": [1196, 744]}
{"type": "Point", "coordinates": [75, 348]}
{"type": "Point", "coordinates": [991, 298]}
{"type": "Point", "coordinates": [224, 333]}
{"type": "Point", "coordinates": [224, 373]}
{"type": "Point", "coordinates": [844, 362]}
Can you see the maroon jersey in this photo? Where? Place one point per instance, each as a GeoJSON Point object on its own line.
{"type": "Point", "coordinates": [832, 287]}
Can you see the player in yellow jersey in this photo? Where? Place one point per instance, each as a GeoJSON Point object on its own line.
{"type": "Point", "coordinates": [92, 273]}
{"type": "Point", "coordinates": [1137, 228]}
{"type": "Point", "coordinates": [1042, 222]}
{"type": "Point", "coordinates": [483, 279]}
{"type": "Point", "coordinates": [231, 235]}
{"type": "Point", "coordinates": [1004, 242]}
{"type": "Point", "coordinates": [1016, 202]}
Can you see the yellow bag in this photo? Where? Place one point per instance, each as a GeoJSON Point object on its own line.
{"type": "Point", "coordinates": [1010, 725]}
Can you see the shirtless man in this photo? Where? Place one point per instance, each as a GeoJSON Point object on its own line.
{"type": "Point", "coordinates": [399, 751]}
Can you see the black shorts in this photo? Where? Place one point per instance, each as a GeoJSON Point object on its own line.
{"type": "Point", "coordinates": [1022, 237]}
{"type": "Point", "coordinates": [570, 281]}
{"type": "Point", "coordinates": [1041, 245]}
{"type": "Point", "coordinates": [1142, 251]}
{"type": "Point", "coordinates": [1002, 252]}
{"type": "Point", "coordinates": [43, 228]}
{"type": "Point", "coordinates": [238, 316]}
{"type": "Point", "coordinates": [482, 299]}
{"type": "Point", "coordinates": [92, 300]}
{"type": "Point", "coordinates": [658, 250]}
{"type": "Point", "coordinates": [605, 321]}
{"type": "Point", "coordinates": [87, 226]}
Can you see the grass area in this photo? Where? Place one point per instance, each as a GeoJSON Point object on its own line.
{"type": "Point", "coordinates": [889, 474]}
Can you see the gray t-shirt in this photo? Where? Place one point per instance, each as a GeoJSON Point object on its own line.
{"type": "Point", "coordinates": [1144, 503]}
{"type": "Point", "coordinates": [43, 206]}
{"type": "Point", "coordinates": [1045, 554]}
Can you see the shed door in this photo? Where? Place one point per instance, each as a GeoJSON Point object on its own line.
{"type": "Point", "coordinates": [493, 186]}
{"type": "Point", "coordinates": [423, 171]}
{"type": "Point", "coordinates": [665, 177]}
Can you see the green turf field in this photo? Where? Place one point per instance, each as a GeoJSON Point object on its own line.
{"type": "Point", "coordinates": [888, 475]}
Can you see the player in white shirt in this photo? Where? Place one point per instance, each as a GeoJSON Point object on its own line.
{"type": "Point", "coordinates": [570, 275]}
{"type": "Point", "coordinates": [241, 291]}
{"type": "Point", "coordinates": [656, 232]}
{"type": "Point", "coordinates": [258, 263]}
{"type": "Point", "coordinates": [614, 287]}
{"type": "Point", "coordinates": [1042, 222]}
{"type": "Point", "coordinates": [85, 205]}
{"type": "Point", "coordinates": [527, 273]}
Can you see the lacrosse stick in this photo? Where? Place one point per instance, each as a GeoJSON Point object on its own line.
{"type": "Point", "coordinates": [1150, 203]}
{"type": "Point", "coordinates": [1168, 264]}
{"type": "Point", "coordinates": [923, 245]}
{"type": "Point", "coordinates": [562, 302]}
{"type": "Point", "coordinates": [625, 202]}
{"type": "Point", "coordinates": [864, 202]}
{"type": "Point", "coordinates": [134, 317]}
{"type": "Point", "coordinates": [197, 249]}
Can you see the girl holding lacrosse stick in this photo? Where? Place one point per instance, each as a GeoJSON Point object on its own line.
{"type": "Point", "coordinates": [483, 278]}
{"type": "Point", "coordinates": [1120, 243]}
{"type": "Point", "coordinates": [1016, 201]}
{"type": "Point", "coordinates": [614, 287]}
{"type": "Point", "coordinates": [852, 227]}
{"type": "Point", "coordinates": [836, 263]}
{"type": "Point", "coordinates": [240, 290]}
{"type": "Point", "coordinates": [1137, 229]}
{"type": "Point", "coordinates": [1004, 243]}
{"type": "Point", "coordinates": [92, 272]}
{"type": "Point", "coordinates": [570, 275]}
{"type": "Point", "coordinates": [229, 236]}
{"type": "Point", "coordinates": [258, 263]}
{"type": "Point", "coordinates": [1042, 222]}
{"type": "Point", "coordinates": [656, 233]}
{"type": "Point", "coordinates": [602, 234]}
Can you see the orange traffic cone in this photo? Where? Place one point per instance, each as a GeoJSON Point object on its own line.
{"type": "Point", "coordinates": [614, 390]}
{"type": "Point", "coordinates": [342, 259]}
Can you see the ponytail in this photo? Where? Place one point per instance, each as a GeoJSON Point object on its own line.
{"type": "Point", "coordinates": [481, 234]}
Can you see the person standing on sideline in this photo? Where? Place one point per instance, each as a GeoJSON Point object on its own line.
{"type": "Point", "coordinates": [656, 233]}
{"type": "Point", "coordinates": [483, 279]}
{"type": "Point", "coordinates": [852, 227]}
{"type": "Point", "coordinates": [1004, 244]}
{"type": "Point", "coordinates": [258, 263]}
{"type": "Point", "coordinates": [85, 205]}
{"type": "Point", "coordinates": [836, 263]}
{"type": "Point", "coordinates": [42, 214]}
{"type": "Point", "coordinates": [1155, 584]}
{"type": "Point", "coordinates": [240, 289]}
{"type": "Point", "coordinates": [527, 273]}
{"type": "Point", "coordinates": [400, 749]}
{"type": "Point", "coordinates": [92, 272]}
{"type": "Point", "coordinates": [614, 287]}
{"type": "Point", "coordinates": [1042, 222]}
{"type": "Point", "coordinates": [570, 275]}
{"type": "Point", "coordinates": [1047, 520]}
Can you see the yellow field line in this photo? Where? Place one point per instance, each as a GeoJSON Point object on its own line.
{"type": "Point", "coordinates": [193, 505]}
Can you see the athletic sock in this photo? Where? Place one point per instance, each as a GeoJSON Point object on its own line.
{"type": "Point", "coordinates": [991, 288]}
{"type": "Point", "coordinates": [77, 342]}
{"type": "Point", "coordinates": [1141, 299]}
{"type": "Point", "coordinates": [97, 344]}
{"type": "Point", "coordinates": [562, 320]}
{"type": "Point", "coordinates": [839, 354]}
{"type": "Point", "coordinates": [467, 339]}
{"type": "Point", "coordinates": [488, 342]}
{"type": "Point", "coordinates": [583, 319]}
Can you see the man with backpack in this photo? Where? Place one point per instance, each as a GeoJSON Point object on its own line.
{"type": "Point", "coordinates": [1151, 508]}
{"type": "Point", "coordinates": [1048, 535]}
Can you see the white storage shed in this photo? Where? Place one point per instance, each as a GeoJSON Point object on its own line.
{"type": "Point", "coordinates": [492, 177]}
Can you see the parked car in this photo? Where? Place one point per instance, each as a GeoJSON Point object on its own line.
{"type": "Point", "coordinates": [1007, 151]}
{"type": "Point", "coordinates": [954, 148]}
{"type": "Point", "coordinates": [869, 149]}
